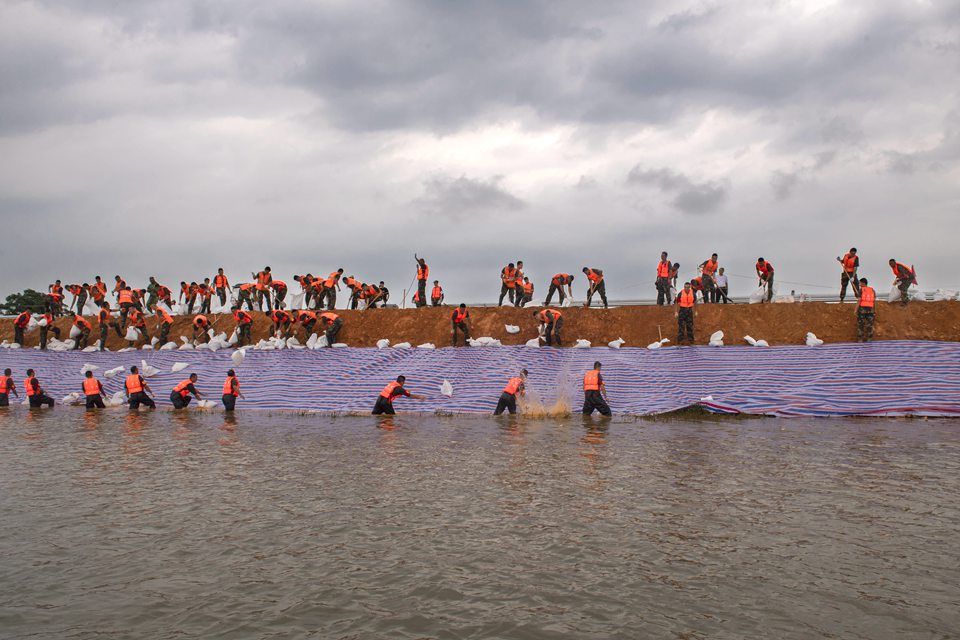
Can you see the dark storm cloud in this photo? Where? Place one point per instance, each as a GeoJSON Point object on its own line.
{"type": "Point", "coordinates": [685, 194]}
{"type": "Point", "coordinates": [456, 198]}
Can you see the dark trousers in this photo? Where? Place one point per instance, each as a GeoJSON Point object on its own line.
{"type": "Point", "coordinates": [769, 283]}
{"type": "Point", "coordinates": [507, 401]}
{"type": "Point", "coordinates": [37, 400]}
{"type": "Point", "coordinates": [244, 297]}
{"type": "Point", "coordinates": [593, 401]}
{"type": "Point", "coordinates": [222, 294]}
{"type": "Point", "coordinates": [164, 333]}
{"type": "Point", "coordinates": [104, 328]}
{"type": "Point", "coordinates": [333, 330]}
{"type": "Point", "coordinates": [243, 337]}
{"type": "Point", "coordinates": [308, 329]}
{"type": "Point", "coordinates": [83, 339]}
{"type": "Point", "coordinates": [229, 401]}
{"type": "Point", "coordinates": [95, 402]}
{"type": "Point", "coordinates": [550, 292]}
{"type": "Point", "coordinates": [178, 401]}
{"type": "Point", "coordinates": [354, 299]}
{"type": "Point", "coordinates": [663, 291]}
{"type": "Point", "coordinates": [865, 317]}
{"type": "Point", "coordinates": [18, 335]}
{"type": "Point", "coordinates": [330, 295]}
{"type": "Point", "coordinates": [709, 290]}
{"type": "Point", "coordinates": [191, 300]}
{"type": "Point", "coordinates": [4, 400]}
{"type": "Point", "coordinates": [124, 310]}
{"type": "Point", "coordinates": [205, 304]}
{"type": "Point", "coordinates": [904, 286]}
{"type": "Point", "coordinates": [80, 301]}
{"type": "Point", "coordinates": [684, 324]}
{"type": "Point", "coordinates": [140, 397]}
{"type": "Point", "coordinates": [600, 289]}
{"type": "Point", "coordinates": [422, 290]}
{"type": "Point", "coordinates": [721, 294]}
{"type": "Point", "coordinates": [846, 278]}
{"type": "Point", "coordinates": [524, 299]}
{"type": "Point", "coordinates": [278, 298]}
{"type": "Point", "coordinates": [508, 291]}
{"type": "Point", "coordinates": [435, 301]}
{"type": "Point", "coordinates": [552, 332]}
{"type": "Point", "coordinates": [383, 406]}
{"type": "Point", "coordinates": [43, 335]}
{"type": "Point", "coordinates": [463, 328]}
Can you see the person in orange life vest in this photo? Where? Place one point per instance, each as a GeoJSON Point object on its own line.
{"type": "Point", "coordinates": [279, 293]}
{"type": "Point", "coordinates": [597, 285]}
{"type": "Point", "coordinates": [125, 302]}
{"type": "Point", "coordinates": [903, 277]}
{"type": "Point", "coordinates": [139, 322]}
{"type": "Point", "coordinates": [686, 300]}
{"type": "Point", "coordinates": [281, 321]}
{"type": "Point", "coordinates": [849, 264]}
{"type": "Point", "coordinates": [307, 319]}
{"type": "Point", "coordinates": [200, 326]}
{"type": "Point", "coordinates": [416, 299]}
{"type": "Point", "coordinates": [526, 288]}
{"type": "Point", "coordinates": [83, 340]}
{"type": "Point", "coordinates": [35, 393]}
{"type": "Point", "coordinates": [164, 322]}
{"type": "Point", "coordinates": [55, 299]}
{"type": "Point", "coordinates": [93, 391]}
{"type": "Point", "coordinates": [516, 386]}
{"type": "Point", "coordinates": [244, 324]}
{"type": "Point", "coordinates": [557, 283]}
{"type": "Point", "coordinates": [436, 294]}
{"type": "Point", "coordinates": [165, 295]}
{"type": "Point", "coordinates": [245, 295]}
{"type": "Point", "coordinates": [663, 279]}
{"type": "Point", "coordinates": [508, 283]}
{"type": "Point", "coordinates": [370, 294]}
{"type": "Point", "coordinates": [458, 322]}
{"type": "Point", "coordinates": [595, 392]}
{"type": "Point", "coordinates": [79, 292]}
{"type": "Point", "coordinates": [697, 285]}
{"type": "Point", "coordinates": [188, 293]}
{"type": "Point", "coordinates": [384, 294]}
{"type": "Point", "coordinates": [765, 276]}
{"type": "Point", "coordinates": [422, 272]}
{"type": "Point", "coordinates": [99, 290]}
{"type": "Point", "coordinates": [231, 391]}
{"type": "Point", "coordinates": [180, 396]}
{"type": "Point", "coordinates": [104, 319]}
{"type": "Point", "coordinates": [45, 327]}
{"type": "Point", "coordinates": [120, 285]}
{"type": "Point", "coordinates": [222, 285]}
{"type": "Point", "coordinates": [707, 269]}
{"type": "Point", "coordinates": [306, 285]}
{"type": "Point", "coordinates": [866, 308]}
{"type": "Point", "coordinates": [263, 280]}
{"type": "Point", "coordinates": [332, 323]}
{"type": "Point", "coordinates": [7, 387]}
{"type": "Point", "coordinates": [384, 402]}
{"type": "Point", "coordinates": [674, 274]}
{"type": "Point", "coordinates": [318, 293]}
{"type": "Point", "coordinates": [20, 325]}
{"type": "Point", "coordinates": [136, 390]}
{"type": "Point", "coordinates": [138, 297]}
{"type": "Point", "coordinates": [551, 321]}
{"type": "Point", "coordinates": [331, 285]}
{"type": "Point", "coordinates": [205, 291]}
{"type": "Point", "coordinates": [518, 288]}
{"type": "Point", "coordinates": [356, 288]}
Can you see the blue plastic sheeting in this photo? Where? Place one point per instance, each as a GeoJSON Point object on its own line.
{"type": "Point", "coordinates": [881, 378]}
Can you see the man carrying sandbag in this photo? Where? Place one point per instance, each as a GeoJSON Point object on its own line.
{"type": "Point", "coordinates": [903, 277]}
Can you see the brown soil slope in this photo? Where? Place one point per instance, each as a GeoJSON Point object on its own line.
{"type": "Point", "coordinates": [638, 325]}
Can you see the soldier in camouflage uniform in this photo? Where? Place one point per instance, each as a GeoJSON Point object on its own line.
{"type": "Point", "coordinates": [686, 299]}
{"type": "Point", "coordinates": [865, 311]}
{"type": "Point", "coordinates": [904, 276]}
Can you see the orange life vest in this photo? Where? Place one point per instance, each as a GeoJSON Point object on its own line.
{"type": "Point", "coordinates": [81, 322]}
{"type": "Point", "coordinates": [331, 280]}
{"type": "Point", "coordinates": [593, 276]}
{"type": "Point", "coordinates": [137, 318]}
{"type": "Point", "coordinates": [353, 283]}
{"type": "Point", "coordinates": [328, 317]}
{"type": "Point", "coordinates": [121, 285]}
{"type": "Point", "coordinates": [4, 383]}
{"type": "Point", "coordinates": [56, 288]}
{"type": "Point", "coordinates": [167, 318]}
{"type": "Point", "coordinates": [228, 387]}
{"type": "Point", "coordinates": [765, 268]}
{"type": "Point", "coordinates": [22, 320]}
{"type": "Point", "coordinates": [263, 279]}
{"type": "Point", "coordinates": [75, 289]}
{"type": "Point", "coordinates": [219, 281]}
{"type": "Point", "coordinates": [543, 316]}
{"type": "Point", "coordinates": [133, 383]}
{"type": "Point", "coordinates": [91, 387]}
{"type": "Point", "coordinates": [561, 279]}
{"type": "Point", "coordinates": [242, 317]}
{"type": "Point", "coordinates": [280, 316]}
{"type": "Point", "coordinates": [278, 284]}
{"type": "Point", "coordinates": [867, 296]}
{"type": "Point", "coordinates": [423, 271]}
{"type": "Point", "coordinates": [459, 315]}
{"type": "Point", "coordinates": [104, 316]}
{"type": "Point", "coordinates": [528, 287]}
{"type": "Point", "coordinates": [513, 385]}
{"type": "Point", "coordinates": [99, 291]}
{"type": "Point", "coordinates": [247, 286]}
{"type": "Point", "coordinates": [663, 269]}
{"type": "Point", "coordinates": [686, 299]}
{"type": "Point", "coordinates": [389, 389]}
{"type": "Point", "coordinates": [307, 316]}
{"type": "Point", "coordinates": [200, 321]}
{"type": "Point", "coordinates": [204, 291]}
{"type": "Point", "coordinates": [436, 293]}
{"type": "Point", "coordinates": [849, 263]}
{"type": "Point", "coordinates": [125, 297]}
{"type": "Point", "coordinates": [182, 388]}
{"type": "Point", "coordinates": [509, 277]}
{"type": "Point", "coordinates": [709, 267]}
{"type": "Point", "coordinates": [900, 265]}
{"type": "Point", "coordinates": [28, 387]}
{"type": "Point", "coordinates": [591, 380]}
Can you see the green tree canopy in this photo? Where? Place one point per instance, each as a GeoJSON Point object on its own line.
{"type": "Point", "coordinates": [29, 299]}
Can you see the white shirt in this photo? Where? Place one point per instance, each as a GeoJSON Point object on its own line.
{"type": "Point", "coordinates": [720, 280]}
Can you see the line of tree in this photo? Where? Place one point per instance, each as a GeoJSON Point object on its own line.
{"type": "Point", "coordinates": [31, 300]}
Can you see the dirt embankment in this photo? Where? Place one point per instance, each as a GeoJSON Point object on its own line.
{"type": "Point", "coordinates": [776, 323]}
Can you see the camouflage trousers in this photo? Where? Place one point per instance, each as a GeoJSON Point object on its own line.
{"type": "Point", "coordinates": [865, 316]}
{"type": "Point", "coordinates": [684, 324]}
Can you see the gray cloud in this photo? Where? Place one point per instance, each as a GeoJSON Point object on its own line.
{"type": "Point", "coordinates": [457, 198]}
{"type": "Point", "coordinates": [687, 196]}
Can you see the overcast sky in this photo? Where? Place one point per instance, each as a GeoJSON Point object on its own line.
{"type": "Point", "coordinates": [172, 137]}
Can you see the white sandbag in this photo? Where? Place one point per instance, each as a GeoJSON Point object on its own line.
{"type": "Point", "coordinates": [321, 343]}
{"type": "Point", "coordinates": [812, 340]}
{"type": "Point", "coordinates": [339, 345]}
{"type": "Point", "coordinates": [446, 388]}
{"type": "Point", "coordinates": [110, 373]}
{"type": "Point", "coordinates": [616, 344]}
{"type": "Point", "coordinates": [894, 294]}
{"type": "Point", "coordinates": [292, 342]}
{"type": "Point", "coordinates": [185, 347]}
{"type": "Point", "coordinates": [90, 349]}
{"type": "Point", "coordinates": [238, 356]}
{"type": "Point", "coordinates": [75, 331]}
{"type": "Point", "coordinates": [234, 337]}
{"type": "Point", "coordinates": [750, 340]}
{"type": "Point", "coordinates": [14, 345]}
{"type": "Point", "coordinates": [179, 366]}
{"type": "Point", "coordinates": [402, 345]}
{"type": "Point", "coordinates": [131, 335]}
{"type": "Point", "coordinates": [116, 400]}
{"type": "Point", "coordinates": [90, 308]}
{"type": "Point", "coordinates": [154, 340]}
{"type": "Point", "coordinates": [206, 405]}
{"type": "Point", "coordinates": [657, 345]}
{"type": "Point", "coordinates": [296, 300]}
{"type": "Point", "coordinates": [71, 398]}
{"type": "Point", "coordinates": [147, 347]}
{"type": "Point", "coordinates": [214, 345]}
{"type": "Point", "coordinates": [88, 367]}
{"type": "Point", "coordinates": [169, 346]}
{"type": "Point", "coordinates": [759, 295]}
{"type": "Point", "coordinates": [582, 344]}
{"type": "Point", "coordinates": [68, 345]}
{"type": "Point", "coordinates": [512, 328]}
{"type": "Point", "coordinates": [474, 343]}
{"type": "Point", "coordinates": [485, 341]}
{"type": "Point", "coordinates": [148, 370]}
{"type": "Point", "coordinates": [762, 343]}
{"type": "Point", "coordinates": [535, 343]}
{"type": "Point", "coordinates": [945, 294]}
{"type": "Point", "coordinates": [716, 339]}
{"type": "Point", "coordinates": [126, 349]}
{"type": "Point", "coordinates": [383, 343]}
{"type": "Point", "coordinates": [205, 346]}
{"type": "Point", "coordinates": [784, 299]}
{"type": "Point", "coordinates": [915, 294]}
{"type": "Point", "coordinates": [566, 303]}
{"type": "Point", "coordinates": [426, 345]}
{"type": "Point", "coordinates": [42, 322]}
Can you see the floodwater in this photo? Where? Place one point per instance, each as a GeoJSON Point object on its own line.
{"type": "Point", "coordinates": [281, 526]}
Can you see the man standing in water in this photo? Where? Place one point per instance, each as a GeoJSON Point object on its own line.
{"type": "Point", "coordinates": [595, 392]}
{"type": "Point", "coordinates": [384, 402]}
{"type": "Point", "coordinates": [508, 399]}
{"type": "Point", "coordinates": [231, 391]}
{"type": "Point", "coordinates": [136, 389]}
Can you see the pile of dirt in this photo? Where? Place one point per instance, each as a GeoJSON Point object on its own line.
{"type": "Point", "coordinates": [637, 325]}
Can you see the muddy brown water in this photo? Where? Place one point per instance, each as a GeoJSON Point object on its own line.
{"type": "Point", "coordinates": [280, 526]}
